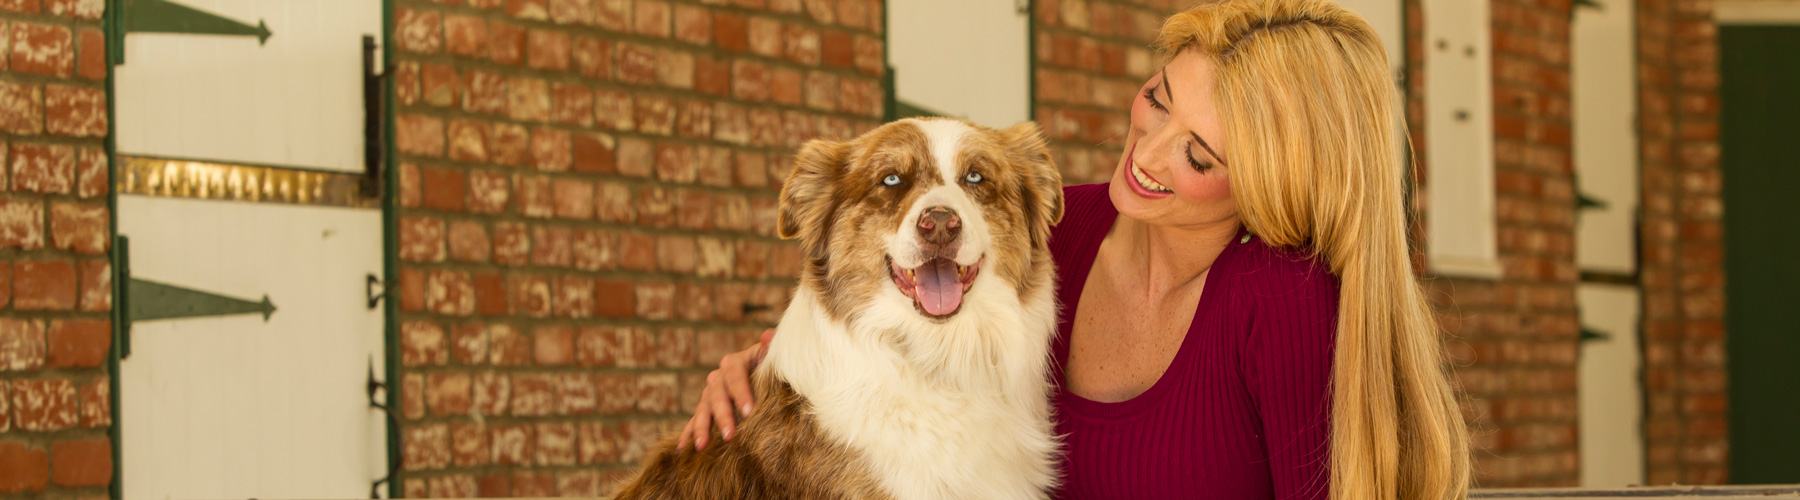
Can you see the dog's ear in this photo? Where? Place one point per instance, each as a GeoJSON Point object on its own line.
{"type": "Point", "coordinates": [806, 201]}
{"type": "Point", "coordinates": [1042, 186]}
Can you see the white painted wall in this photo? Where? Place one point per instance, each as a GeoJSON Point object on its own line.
{"type": "Point", "coordinates": [1386, 17]}
{"type": "Point", "coordinates": [296, 101]}
{"type": "Point", "coordinates": [962, 58]}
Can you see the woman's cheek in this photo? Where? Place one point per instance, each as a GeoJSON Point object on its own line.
{"type": "Point", "coordinates": [1202, 186]}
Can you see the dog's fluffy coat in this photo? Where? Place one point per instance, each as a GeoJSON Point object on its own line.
{"type": "Point", "coordinates": [864, 394]}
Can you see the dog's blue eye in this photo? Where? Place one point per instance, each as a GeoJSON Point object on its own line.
{"type": "Point", "coordinates": [972, 178]}
{"type": "Point", "coordinates": [891, 180]}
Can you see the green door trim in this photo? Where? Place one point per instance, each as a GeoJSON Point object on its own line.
{"type": "Point", "coordinates": [115, 44]}
{"type": "Point", "coordinates": [390, 250]}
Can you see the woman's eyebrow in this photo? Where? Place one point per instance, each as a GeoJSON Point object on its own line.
{"type": "Point", "coordinates": [1203, 145]}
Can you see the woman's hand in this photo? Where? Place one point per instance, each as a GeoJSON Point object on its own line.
{"type": "Point", "coordinates": [726, 388]}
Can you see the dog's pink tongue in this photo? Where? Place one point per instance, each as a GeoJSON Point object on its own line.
{"type": "Point", "coordinates": [939, 291]}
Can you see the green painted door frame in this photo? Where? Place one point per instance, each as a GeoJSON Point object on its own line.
{"type": "Point", "coordinates": [1760, 111]}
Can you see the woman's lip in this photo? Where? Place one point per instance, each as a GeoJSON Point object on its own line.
{"type": "Point", "coordinates": [1131, 179]}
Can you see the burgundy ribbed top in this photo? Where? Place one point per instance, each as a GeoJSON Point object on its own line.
{"type": "Point", "coordinates": [1241, 413]}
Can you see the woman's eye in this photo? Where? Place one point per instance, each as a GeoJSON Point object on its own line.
{"type": "Point", "coordinates": [891, 180]}
{"type": "Point", "coordinates": [972, 178]}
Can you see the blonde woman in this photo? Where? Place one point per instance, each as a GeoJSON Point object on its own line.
{"type": "Point", "coordinates": [1241, 319]}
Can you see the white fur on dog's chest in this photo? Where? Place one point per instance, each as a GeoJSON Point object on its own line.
{"type": "Point", "coordinates": [973, 422]}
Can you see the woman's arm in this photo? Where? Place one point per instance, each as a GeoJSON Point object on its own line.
{"type": "Point", "coordinates": [1288, 370]}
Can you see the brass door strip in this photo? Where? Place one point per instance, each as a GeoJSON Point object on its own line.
{"type": "Point", "coordinates": [179, 178]}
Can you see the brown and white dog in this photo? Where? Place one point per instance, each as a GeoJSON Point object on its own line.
{"type": "Point", "coordinates": [911, 362]}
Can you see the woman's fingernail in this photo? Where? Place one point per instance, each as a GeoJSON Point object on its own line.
{"type": "Point", "coordinates": [745, 409]}
{"type": "Point", "coordinates": [726, 433]}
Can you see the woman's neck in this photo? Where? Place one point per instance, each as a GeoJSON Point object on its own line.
{"type": "Point", "coordinates": [1164, 258]}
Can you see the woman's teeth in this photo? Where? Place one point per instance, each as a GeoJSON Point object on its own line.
{"type": "Point", "coordinates": [1147, 182]}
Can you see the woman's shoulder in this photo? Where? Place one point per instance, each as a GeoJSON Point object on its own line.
{"type": "Point", "coordinates": [1265, 272]}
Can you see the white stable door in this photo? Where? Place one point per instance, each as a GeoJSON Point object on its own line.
{"type": "Point", "coordinates": [235, 406]}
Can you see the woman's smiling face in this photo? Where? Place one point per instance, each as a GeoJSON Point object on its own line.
{"type": "Point", "coordinates": [1174, 171]}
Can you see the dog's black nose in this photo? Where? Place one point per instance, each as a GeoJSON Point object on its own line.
{"type": "Point", "coordinates": [939, 225]}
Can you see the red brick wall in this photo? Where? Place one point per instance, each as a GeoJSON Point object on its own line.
{"type": "Point", "coordinates": [1515, 339]}
{"type": "Point", "coordinates": [587, 193]}
{"type": "Point", "coordinates": [55, 278]}
{"type": "Point", "coordinates": [1091, 58]}
{"type": "Point", "coordinates": [1682, 255]}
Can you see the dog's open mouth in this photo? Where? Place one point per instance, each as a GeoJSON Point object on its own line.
{"type": "Point", "coordinates": [936, 286]}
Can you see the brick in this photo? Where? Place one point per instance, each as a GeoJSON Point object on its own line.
{"type": "Point", "coordinates": [448, 393]}
{"type": "Point", "coordinates": [693, 119]}
{"type": "Point", "coordinates": [96, 285]}
{"type": "Point", "coordinates": [425, 447]}
{"type": "Point", "coordinates": [506, 42]}
{"type": "Point", "coordinates": [43, 285]}
{"type": "Point", "coordinates": [550, 150]}
{"type": "Point", "coordinates": [419, 31]}
{"type": "Point", "coordinates": [409, 185]}
{"type": "Point", "coordinates": [730, 31]}
{"type": "Point", "coordinates": [613, 109]}
{"type": "Point", "coordinates": [712, 75]}
{"type": "Point", "coordinates": [439, 84]}
{"type": "Point", "coordinates": [675, 163]}
{"type": "Point", "coordinates": [657, 393]}
{"type": "Point", "coordinates": [651, 18]}
{"type": "Point", "coordinates": [530, 295]}
{"type": "Point", "coordinates": [839, 50]}
{"type": "Point", "coordinates": [406, 83]}
{"type": "Point", "coordinates": [22, 344]}
{"type": "Point", "coordinates": [528, 99]}
{"type": "Point", "coordinates": [79, 9]}
{"type": "Point", "coordinates": [468, 241]}
{"type": "Point", "coordinates": [419, 135]}
{"type": "Point", "coordinates": [613, 15]}
{"type": "Point", "coordinates": [635, 64]}
{"type": "Point", "coordinates": [533, 395]}
{"type": "Point", "coordinates": [597, 442]}
{"type": "Point", "coordinates": [512, 244]}
{"type": "Point", "coordinates": [422, 343]}
{"type": "Point", "coordinates": [731, 124]}
{"type": "Point", "coordinates": [551, 246]}
{"type": "Point", "coordinates": [468, 445]}
{"type": "Point", "coordinates": [613, 203]}
{"type": "Point", "coordinates": [496, 485]}
{"type": "Point", "coordinates": [655, 114]}
{"type": "Point", "coordinates": [79, 228]}
{"type": "Point", "coordinates": [79, 343]}
{"type": "Point", "coordinates": [656, 207]}
{"type": "Point", "coordinates": [81, 462]}
{"type": "Point", "coordinates": [21, 223]}
{"type": "Point", "coordinates": [465, 35]}
{"type": "Point", "coordinates": [803, 44]}
{"type": "Point", "coordinates": [675, 347]}
{"type": "Point", "coordinates": [488, 191]}
{"type": "Point", "coordinates": [91, 55]}
{"type": "Point", "coordinates": [412, 396]}
{"type": "Point", "coordinates": [571, 11]}
{"type": "Point", "coordinates": [553, 345]}
{"type": "Point", "coordinates": [548, 49]}
{"type": "Point", "coordinates": [576, 393]}
{"type": "Point", "coordinates": [42, 49]}
{"type": "Point", "coordinates": [578, 484]}
{"type": "Point", "coordinates": [484, 92]}
{"type": "Point", "coordinates": [449, 292]}
{"type": "Point", "coordinates": [96, 403]}
{"type": "Point", "coordinates": [43, 168]}
{"type": "Point", "coordinates": [422, 239]}
{"type": "Point", "coordinates": [533, 195]}
{"type": "Point", "coordinates": [618, 393]}
{"type": "Point", "coordinates": [750, 81]}
{"type": "Point", "coordinates": [821, 90]}
{"type": "Point", "coordinates": [43, 405]}
{"type": "Point", "coordinates": [574, 297]}
{"type": "Point", "coordinates": [572, 104]}
{"type": "Point", "coordinates": [536, 10]}
{"type": "Point", "coordinates": [556, 444]}
{"type": "Point", "coordinates": [469, 341]}
{"type": "Point", "coordinates": [695, 301]}
{"type": "Point", "coordinates": [507, 346]}
{"type": "Point", "coordinates": [511, 145]}
{"type": "Point", "coordinates": [614, 299]}
{"type": "Point", "coordinates": [693, 25]}
{"type": "Point", "coordinates": [534, 484]}
{"type": "Point", "coordinates": [468, 140]}
{"type": "Point", "coordinates": [27, 469]}
{"type": "Point", "coordinates": [694, 210]}
{"type": "Point", "coordinates": [21, 107]}
{"type": "Point", "coordinates": [90, 172]}
{"type": "Point", "coordinates": [655, 300]}
{"type": "Point", "coordinates": [765, 36]}
{"type": "Point", "coordinates": [412, 290]}
{"type": "Point", "coordinates": [592, 57]}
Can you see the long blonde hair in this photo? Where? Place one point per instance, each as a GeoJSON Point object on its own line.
{"type": "Point", "coordinates": [1304, 94]}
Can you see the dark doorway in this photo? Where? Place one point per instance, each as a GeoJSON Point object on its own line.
{"type": "Point", "coordinates": [1760, 94]}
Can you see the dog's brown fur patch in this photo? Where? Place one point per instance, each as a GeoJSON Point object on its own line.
{"type": "Point", "coordinates": [780, 453]}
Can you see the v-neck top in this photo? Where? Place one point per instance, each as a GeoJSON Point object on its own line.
{"type": "Point", "coordinates": [1242, 411]}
